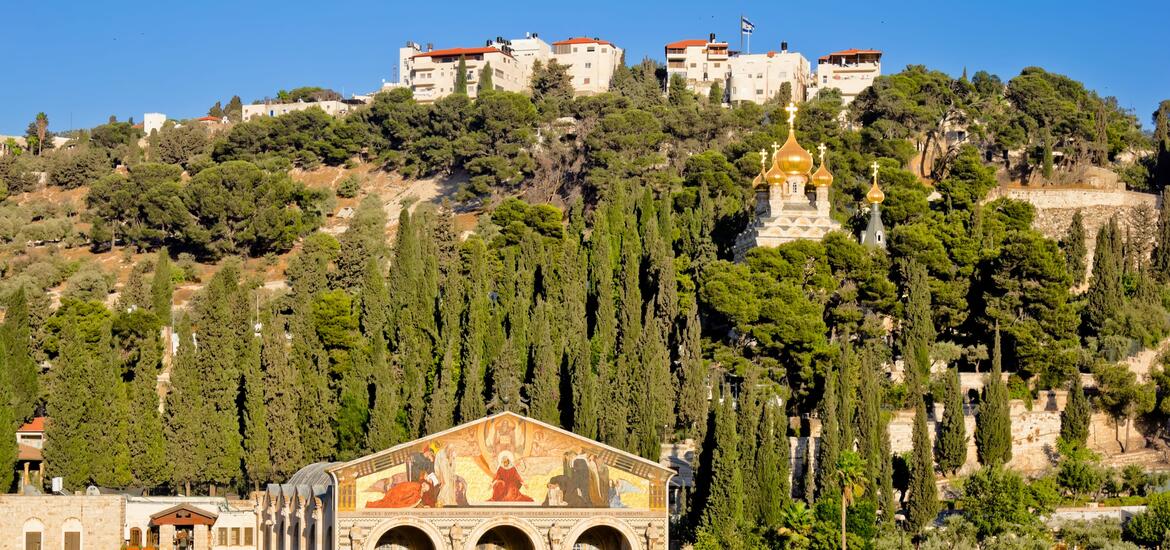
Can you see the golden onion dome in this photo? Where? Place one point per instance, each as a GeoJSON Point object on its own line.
{"type": "Point", "coordinates": [822, 177]}
{"type": "Point", "coordinates": [775, 175]}
{"type": "Point", "coordinates": [761, 178]}
{"type": "Point", "coordinates": [875, 195]}
{"type": "Point", "coordinates": [792, 159]}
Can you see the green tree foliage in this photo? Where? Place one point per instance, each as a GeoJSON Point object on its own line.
{"type": "Point", "coordinates": [1075, 250]}
{"type": "Point", "coordinates": [179, 144]}
{"type": "Point", "coordinates": [136, 336]}
{"type": "Point", "coordinates": [1074, 419]}
{"type": "Point", "coordinates": [998, 501]}
{"type": "Point", "coordinates": [1105, 296]}
{"type": "Point", "coordinates": [723, 514]}
{"type": "Point", "coordinates": [1123, 396]}
{"type": "Point", "coordinates": [20, 370]}
{"type": "Point", "coordinates": [1149, 528]}
{"type": "Point", "coordinates": [162, 288]}
{"type": "Point", "coordinates": [78, 167]}
{"type": "Point", "coordinates": [830, 445]}
{"type": "Point", "coordinates": [485, 79]}
{"type": "Point", "coordinates": [461, 76]}
{"type": "Point", "coordinates": [551, 82]}
{"type": "Point", "coordinates": [281, 402]}
{"type": "Point", "coordinates": [918, 333]}
{"type": "Point", "coordinates": [951, 443]}
{"type": "Point", "coordinates": [993, 423]}
{"type": "Point", "coordinates": [922, 493]}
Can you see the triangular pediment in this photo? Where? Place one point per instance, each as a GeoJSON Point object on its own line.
{"type": "Point", "coordinates": [501, 460]}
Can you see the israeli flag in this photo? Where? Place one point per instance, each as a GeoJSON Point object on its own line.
{"type": "Point", "coordinates": [745, 26]}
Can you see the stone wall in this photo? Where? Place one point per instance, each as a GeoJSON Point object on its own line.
{"type": "Point", "coordinates": [99, 519]}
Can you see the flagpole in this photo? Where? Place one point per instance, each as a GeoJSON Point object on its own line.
{"type": "Point", "coordinates": [741, 32]}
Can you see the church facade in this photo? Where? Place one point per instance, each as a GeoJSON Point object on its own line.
{"type": "Point", "coordinates": [501, 482]}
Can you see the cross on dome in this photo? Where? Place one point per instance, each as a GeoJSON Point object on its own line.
{"type": "Point", "coordinates": [775, 147]}
{"type": "Point", "coordinates": [791, 108]}
{"type": "Point", "coordinates": [763, 157]}
{"type": "Point", "coordinates": [821, 148]}
{"type": "Point", "coordinates": [874, 166]}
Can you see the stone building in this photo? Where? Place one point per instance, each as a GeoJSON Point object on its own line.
{"type": "Point", "coordinates": [501, 482]}
{"type": "Point", "coordinates": [197, 523]}
{"type": "Point", "coordinates": [784, 212]}
{"type": "Point", "coordinates": [65, 522]}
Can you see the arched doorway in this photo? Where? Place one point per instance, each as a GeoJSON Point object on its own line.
{"type": "Point", "coordinates": [404, 537]}
{"type": "Point", "coordinates": [602, 537]}
{"type": "Point", "coordinates": [504, 537]}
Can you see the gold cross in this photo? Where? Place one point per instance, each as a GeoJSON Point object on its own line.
{"type": "Point", "coordinates": [791, 108]}
{"type": "Point", "coordinates": [775, 148]}
{"type": "Point", "coordinates": [822, 150]}
{"type": "Point", "coordinates": [763, 157]}
{"type": "Point", "coordinates": [874, 166]}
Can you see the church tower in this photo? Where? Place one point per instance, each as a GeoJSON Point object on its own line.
{"type": "Point", "coordinates": [875, 232]}
{"type": "Point", "coordinates": [784, 211]}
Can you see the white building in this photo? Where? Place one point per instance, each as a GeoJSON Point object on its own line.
{"type": "Point", "coordinates": [331, 107]}
{"type": "Point", "coordinates": [849, 71]}
{"type": "Point", "coordinates": [528, 51]}
{"type": "Point", "coordinates": [153, 122]}
{"type": "Point", "coordinates": [212, 523]}
{"type": "Point", "coordinates": [431, 74]}
{"type": "Point", "coordinates": [701, 62]}
{"type": "Point", "coordinates": [591, 62]}
{"type": "Point", "coordinates": [759, 77]}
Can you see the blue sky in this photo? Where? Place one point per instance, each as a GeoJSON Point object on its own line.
{"type": "Point", "coordinates": [91, 59]}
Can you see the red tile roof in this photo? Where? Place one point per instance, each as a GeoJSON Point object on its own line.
{"type": "Point", "coordinates": [686, 43]}
{"type": "Point", "coordinates": [454, 52]}
{"type": "Point", "coordinates": [208, 119]}
{"type": "Point", "coordinates": [35, 425]}
{"type": "Point", "coordinates": [582, 40]}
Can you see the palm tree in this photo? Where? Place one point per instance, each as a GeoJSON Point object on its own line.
{"type": "Point", "coordinates": [42, 128]}
{"type": "Point", "coordinates": [851, 471]}
{"type": "Point", "coordinates": [796, 522]}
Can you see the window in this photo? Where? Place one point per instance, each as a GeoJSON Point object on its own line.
{"type": "Point", "coordinates": [32, 541]}
{"type": "Point", "coordinates": [235, 536]}
{"type": "Point", "coordinates": [604, 50]}
{"type": "Point", "coordinates": [586, 81]}
{"type": "Point", "coordinates": [135, 537]}
{"type": "Point", "coordinates": [716, 65]}
{"type": "Point", "coordinates": [574, 50]}
{"type": "Point", "coordinates": [692, 65]}
{"type": "Point", "coordinates": [72, 540]}
{"type": "Point", "coordinates": [222, 536]}
{"type": "Point", "coordinates": [588, 65]}
{"type": "Point", "coordinates": [247, 536]}
{"type": "Point", "coordinates": [759, 92]}
{"type": "Point", "coordinates": [590, 49]}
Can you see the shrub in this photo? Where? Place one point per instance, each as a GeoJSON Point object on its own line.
{"type": "Point", "coordinates": [349, 187]}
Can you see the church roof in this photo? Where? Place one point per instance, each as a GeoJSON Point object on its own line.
{"type": "Point", "coordinates": [629, 458]}
{"type": "Point", "coordinates": [316, 473]}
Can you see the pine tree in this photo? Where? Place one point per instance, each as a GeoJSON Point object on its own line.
{"type": "Point", "coordinates": [922, 492]}
{"type": "Point", "coordinates": [485, 79]}
{"type": "Point", "coordinates": [993, 423]}
{"type": "Point", "coordinates": [1105, 297]}
{"type": "Point", "coordinates": [830, 445]}
{"type": "Point", "coordinates": [162, 288]}
{"type": "Point", "coordinates": [723, 515]}
{"type": "Point", "coordinates": [16, 336]}
{"type": "Point", "coordinates": [461, 76]}
{"type": "Point", "coordinates": [951, 444]}
{"type": "Point", "coordinates": [1074, 419]}
{"type": "Point", "coordinates": [1074, 248]}
{"type": "Point", "coordinates": [918, 333]}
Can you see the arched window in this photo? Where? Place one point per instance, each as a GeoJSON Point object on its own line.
{"type": "Point", "coordinates": [72, 534]}
{"type": "Point", "coordinates": [34, 532]}
{"type": "Point", "coordinates": [135, 537]}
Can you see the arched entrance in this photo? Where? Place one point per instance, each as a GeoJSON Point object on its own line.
{"type": "Point", "coordinates": [404, 537]}
{"type": "Point", "coordinates": [602, 537]}
{"type": "Point", "coordinates": [504, 537]}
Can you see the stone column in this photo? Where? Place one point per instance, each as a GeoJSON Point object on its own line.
{"type": "Point", "coordinates": [166, 537]}
{"type": "Point", "coordinates": [202, 537]}
{"type": "Point", "coordinates": [285, 529]}
{"type": "Point", "coordinates": [775, 199]}
{"type": "Point", "coordinates": [822, 200]}
{"type": "Point", "coordinates": [318, 529]}
{"type": "Point", "coordinates": [301, 524]}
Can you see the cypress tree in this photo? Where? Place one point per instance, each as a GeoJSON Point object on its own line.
{"type": "Point", "coordinates": [749, 414]}
{"type": "Point", "coordinates": [951, 444]}
{"type": "Point", "coordinates": [611, 420]}
{"type": "Point", "coordinates": [281, 401]}
{"type": "Point", "coordinates": [8, 427]}
{"type": "Point", "coordinates": [620, 398]}
{"type": "Point", "coordinates": [869, 413]}
{"type": "Point", "coordinates": [1075, 249]}
{"type": "Point", "coordinates": [847, 387]}
{"type": "Point", "coordinates": [108, 416]}
{"type": "Point", "coordinates": [723, 515]}
{"type": "Point", "coordinates": [715, 94]}
{"type": "Point", "coordinates": [257, 436]}
{"type": "Point", "coordinates": [134, 293]}
{"type": "Point", "coordinates": [414, 276]}
{"type": "Point", "coordinates": [993, 423]}
{"type": "Point", "coordinates": [485, 79]}
{"type": "Point", "coordinates": [186, 413]}
{"type": "Point", "coordinates": [922, 492]}
{"type": "Point", "coordinates": [479, 316]}
{"type": "Point", "coordinates": [162, 288]}
{"type": "Point", "coordinates": [1160, 257]}
{"type": "Point", "coordinates": [461, 76]}
{"type": "Point", "coordinates": [918, 333]}
{"type": "Point", "coordinates": [445, 381]}
{"type": "Point", "coordinates": [783, 451]}
{"type": "Point", "coordinates": [771, 463]}
{"type": "Point", "coordinates": [362, 243]}
{"type": "Point", "coordinates": [655, 413]}
{"type": "Point", "coordinates": [575, 298]}
{"type": "Point", "coordinates": [1105, 297]}
{"type": "Point", "coordinates": [1074, 419]}
{"type": "Point", "coordinates": [830, 446]}
{"type": "Point", "coordinates": [150, 465]}
{"type": "Point", "coordinates": [693, 376]}
{"type": "Point", "coordinates": [16, 336]}
{"type": "Point", "coordinates": [544, 391]}
{"type": "Point", "coordinates": [886, 499]}
{"type": "Point", "coordinates": [386, 428]}
{"type": "Point", "coordinates": [220, 343]}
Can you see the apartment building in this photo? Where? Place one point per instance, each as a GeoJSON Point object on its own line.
{"type": "Point", "coordinates": [431, 74]}
{"type": "Point", "coordinates": [591, 62]}
{"type": "Point", "coordinates": [527, 51]}
{"type": "Point", "coordinates": [331, 107]}
{"type": "Point", "coordinates": [759, 77]}
{"type": "Point", "coordinates": [849, 71]}
{"type": "Point", "coordinates": [701, 62]}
